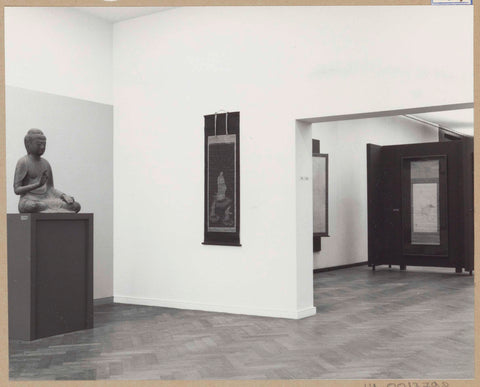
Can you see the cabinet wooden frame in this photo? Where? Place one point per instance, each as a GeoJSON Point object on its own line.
{"type": "Point", "coordinates": [388, 209]}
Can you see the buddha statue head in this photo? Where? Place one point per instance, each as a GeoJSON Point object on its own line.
{"type": "Point", "coordinates": [35, 142]}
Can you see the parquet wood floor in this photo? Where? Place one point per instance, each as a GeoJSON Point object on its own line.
{"type": "Point", "coordinates": [382, 324]}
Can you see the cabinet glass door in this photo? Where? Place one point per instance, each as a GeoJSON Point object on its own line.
{"type": "Point", "coordinates": [425, 205]}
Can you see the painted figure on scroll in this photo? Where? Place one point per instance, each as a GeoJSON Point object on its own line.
{"type": "Point", "coordinates": [221, 209]}
{"type": "Point", "coordinates": [33, 180]}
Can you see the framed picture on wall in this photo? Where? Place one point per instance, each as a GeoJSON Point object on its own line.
{"type": "Point", "coordinates": [320, 194]}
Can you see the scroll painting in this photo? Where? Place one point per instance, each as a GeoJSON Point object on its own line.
{"type": "Point", "coordinates": [425, 200]}
{"type": "Point", "coordinates": [222, 202]}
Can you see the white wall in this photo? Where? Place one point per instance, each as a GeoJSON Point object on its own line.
{"type": "Point", "coordinates": [345, 143]}
{"type": "Point", "coordinates": [274, 65]}
{"type": "Point", "coordinates": [58, 68]}
{"type": "Point", "coordinates": [60, 51]}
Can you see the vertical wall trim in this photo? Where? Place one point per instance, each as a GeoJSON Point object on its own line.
{"type": "Point", "coordinates": [304, 214]}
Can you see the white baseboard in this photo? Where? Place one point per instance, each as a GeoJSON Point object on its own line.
{"type": "Point", "coordinates": [279, 313]}
{"type": "Point", "coordinates": [307, 312]}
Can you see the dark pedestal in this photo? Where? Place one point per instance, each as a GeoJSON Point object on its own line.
{"type": "Point", "coordinates": [50, 274]}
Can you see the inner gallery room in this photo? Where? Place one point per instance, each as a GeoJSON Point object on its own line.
{"type": "Point", "coordinates": [239, 192]}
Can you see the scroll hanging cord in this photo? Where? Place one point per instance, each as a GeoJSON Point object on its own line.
{"type": "Point", "coordinates": [226, 122]}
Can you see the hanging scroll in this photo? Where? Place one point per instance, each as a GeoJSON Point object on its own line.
{"type": "Point", "coordinates": [222, 179]}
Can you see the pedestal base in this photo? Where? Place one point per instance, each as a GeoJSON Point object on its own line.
{"type": "Point", "coordinates": [50, 274]}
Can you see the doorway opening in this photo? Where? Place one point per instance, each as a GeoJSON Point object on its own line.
{"type": "Point", "coordinates": [343, 138]}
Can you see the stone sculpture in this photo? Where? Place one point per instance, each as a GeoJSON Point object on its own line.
{"type": "Point", "coordinates": [33, 180]}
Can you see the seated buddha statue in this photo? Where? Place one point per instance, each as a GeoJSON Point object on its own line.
{"type": "Point", "coordinates": [33, 180]}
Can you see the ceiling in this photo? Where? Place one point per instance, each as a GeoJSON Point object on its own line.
{"type": "Point", "coordinates": [117, 14]}
{"type": "Point", "coordinates": [458, 120]}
